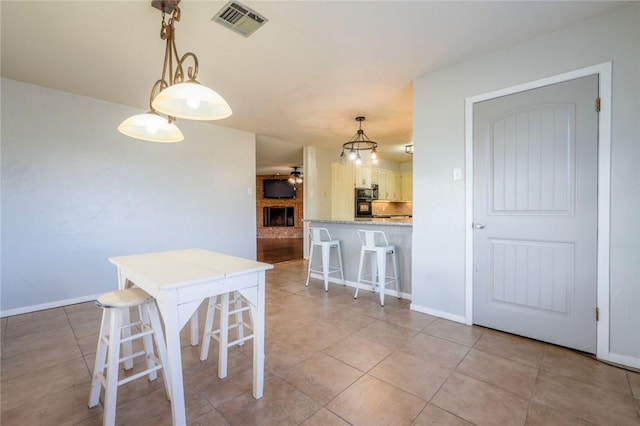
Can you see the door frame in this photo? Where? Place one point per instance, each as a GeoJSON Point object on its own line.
{"type": "Point", "coordinates": [603, 71]}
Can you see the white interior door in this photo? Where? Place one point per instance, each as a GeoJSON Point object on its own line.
{"type": "Point", "coordinates": [535, 213]}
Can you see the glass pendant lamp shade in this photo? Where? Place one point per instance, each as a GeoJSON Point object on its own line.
{"type": "Point", "coordinates": [192, 101]}
{"type": "Point", "coordinates": [151, 127]}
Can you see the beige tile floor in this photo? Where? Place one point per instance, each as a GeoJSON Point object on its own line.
{"type": "Point", "coordinates": [331, 360]}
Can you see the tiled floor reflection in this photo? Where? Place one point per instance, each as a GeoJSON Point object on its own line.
{"type": "Point", "coordinates": [330, 360]}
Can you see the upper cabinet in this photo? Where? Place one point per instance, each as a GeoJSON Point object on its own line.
{"type": "Point", "coordinates": [393, 186]}
{"type": "Point", "coordinates": [363, 176]}
{"type": "Point", "coordinates": [374, 176]}
{"type": "Point", "coordinates": [406, 185]}
{"type": "Point", "coordinates": [342, 201]}
{"type": "Point", "coordinates": [388, 185]}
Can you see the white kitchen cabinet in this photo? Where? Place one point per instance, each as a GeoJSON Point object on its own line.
{"type": "Point", "coordinates": [382, 184]}
{"type": "Point", "coordinates": [394, 186]}
{"type": "Point", "coordinates": [342, 191]}
{"type": "Point", "coordinates": [374, 175]}
{"type": "Point", "coordinates": [387, 185]}
{"type": "Point", "coordinates": [363, 176]}
{"type": "Point", "coordinates": [406, 185]}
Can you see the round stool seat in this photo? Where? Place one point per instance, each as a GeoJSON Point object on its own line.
{"type": "Point", "coordinates": [126, 298]}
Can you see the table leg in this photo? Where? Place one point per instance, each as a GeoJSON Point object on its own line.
{"type": "Point", "coordinates": [258, 313]}
{"type": "Point", "coordinates": [194, 329]}
{"type": "Point", "coordinates": [174, 358]}
{"type": "Point", "coordinates": [223, 347]}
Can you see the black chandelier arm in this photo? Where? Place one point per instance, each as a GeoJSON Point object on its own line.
{"type": "Point", "coordinates": [359, 142]}
{"type": "Point", "coordinates": [356, 145]}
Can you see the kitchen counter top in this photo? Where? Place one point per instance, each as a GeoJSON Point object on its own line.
{"type": "Point", "coordinates": [385, 221]}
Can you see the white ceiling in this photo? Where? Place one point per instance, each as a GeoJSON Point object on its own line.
{"type": "Point", "coordinates": [299, 80]}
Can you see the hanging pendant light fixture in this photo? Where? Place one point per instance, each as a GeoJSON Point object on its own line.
{"type": "Point", "coordinates": [296, 176]}
{"type": "Point", "coordinates": [172, 95]}
{"type": "Point", "coordinates": [151, 126]}
{"type": "Point", "coordinates": [360, 142]}
{"type": "Point", "coordinates": [184, 99]}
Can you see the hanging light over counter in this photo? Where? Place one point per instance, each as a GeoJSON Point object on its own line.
{"type": "Point", "coordinates": [360, 142]}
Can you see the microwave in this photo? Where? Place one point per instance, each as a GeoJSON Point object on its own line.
{"type": "Point", "coordinates": [367, 193]}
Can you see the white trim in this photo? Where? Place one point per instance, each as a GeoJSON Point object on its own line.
{"type": "Point", "coordinates": [604, 213]}
{"type": "Point", "coordinates": [437, 313]}
{"type": "Point", "coordinates": [622, 360]}
{"type": "Point", "coordinates": [603, 71]}
{"type": "Point", "coordinates": [49, 305]}
{"type": "Point", "coordinates": [365, 287]}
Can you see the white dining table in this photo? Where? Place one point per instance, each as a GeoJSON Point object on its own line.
{"type": "Point", "coordinates": [179, 281]}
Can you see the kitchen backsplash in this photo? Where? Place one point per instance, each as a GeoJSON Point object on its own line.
{"type": "Point", "coordinates": [392, 208]}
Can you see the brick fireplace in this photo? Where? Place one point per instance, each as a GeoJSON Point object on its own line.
{"type": "Point", "coordinates": [278, 218]}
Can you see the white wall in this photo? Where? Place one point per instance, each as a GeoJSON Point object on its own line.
{"type": "Point", "coordinates": [439, 211]}
{"type": "Point", "coordinates": [75, 192]}
{"type": "Point", "coordinates": [317, 183]}
{"type": "Point", "coordinates": [406, 167]}
{"type": "Point", "coordinates": [317, 187]}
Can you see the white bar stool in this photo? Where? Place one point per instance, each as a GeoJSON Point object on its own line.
{"type": "Point", "coordinates": [148, 328]}
{"type": "Point", "coordinates": [221, 334]}
{"type": "Point", "coordinates": [376, 247]}
{"type": "Point", "coordinates": [320, 237]}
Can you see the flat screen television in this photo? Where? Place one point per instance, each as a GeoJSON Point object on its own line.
{"type": "Point", "coordinates": [279, 188]}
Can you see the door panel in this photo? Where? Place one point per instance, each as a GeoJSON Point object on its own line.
{"type": "Point", "coordinates": [535, 275]}
{"type": "Point", "coordinates": [530, 168]}
{"type": "Point", "coordinates": [535, 193]}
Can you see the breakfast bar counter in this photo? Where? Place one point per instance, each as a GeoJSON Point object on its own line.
{"type": "Point", "coordinates": [398, 232]}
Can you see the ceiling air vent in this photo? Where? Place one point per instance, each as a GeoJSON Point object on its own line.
{"type": "Point", "coordinates": [239, 18]}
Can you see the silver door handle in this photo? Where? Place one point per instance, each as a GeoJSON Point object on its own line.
{"type": "Point", "coordinates": [478, 225]}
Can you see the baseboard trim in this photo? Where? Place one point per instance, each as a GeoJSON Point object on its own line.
{"type": "Point", "coordinates": [624, 360]}
{"type": "Point", "coordinates": [437, 313]}
{"type": "Point", "coordinates": [366, 287]}
{"type": "Point", "coordinates": [49, 305]}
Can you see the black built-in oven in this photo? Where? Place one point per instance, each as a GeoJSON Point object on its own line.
{"type": "Point", "coordinates": [363, 200]}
